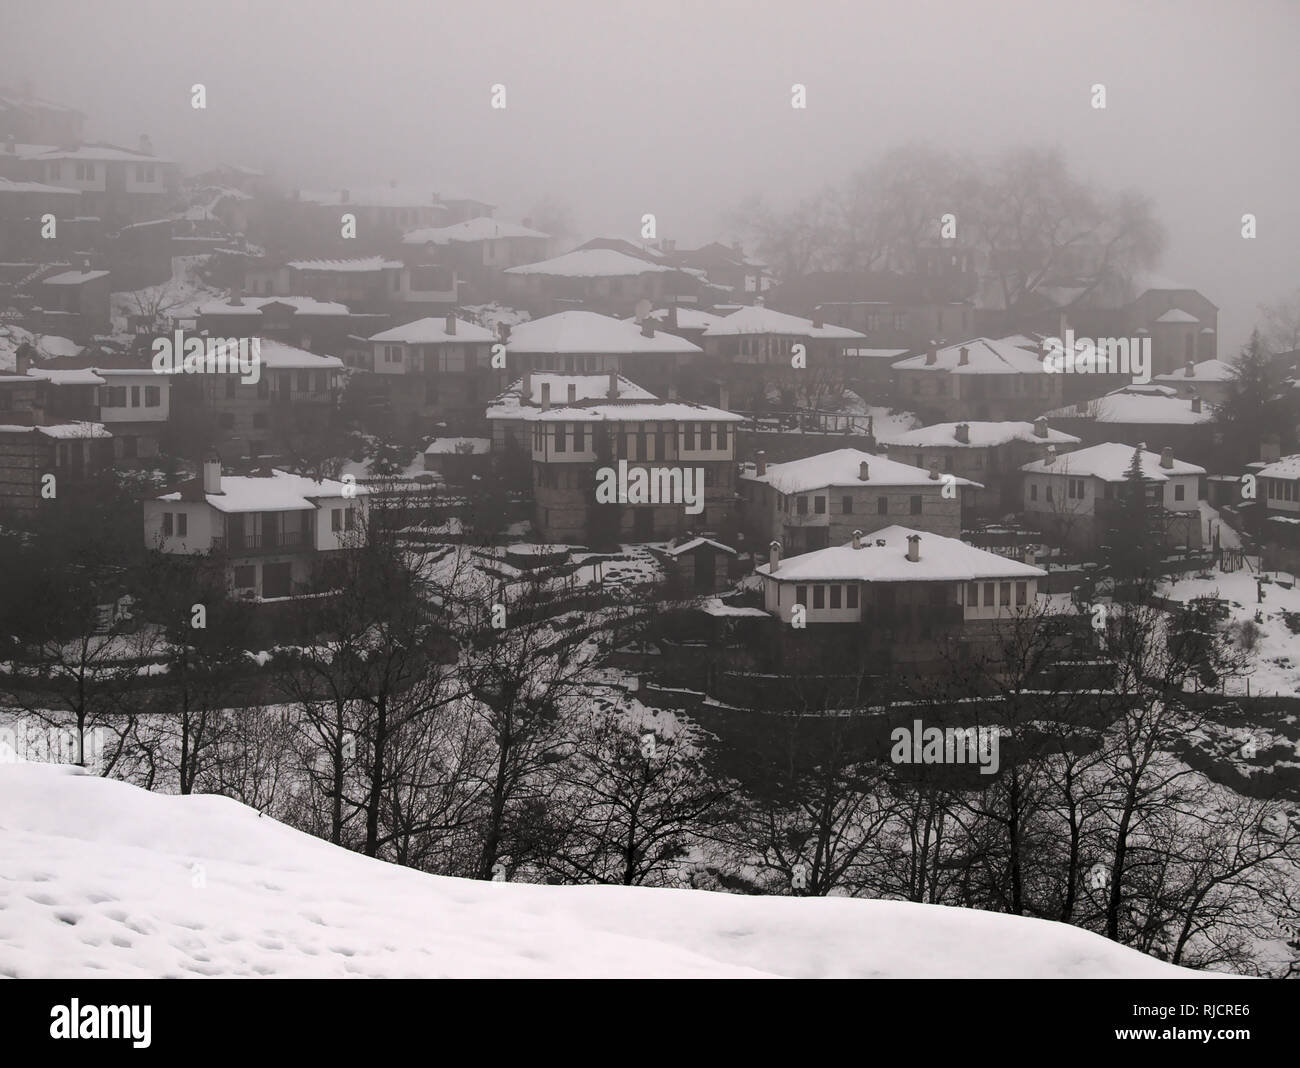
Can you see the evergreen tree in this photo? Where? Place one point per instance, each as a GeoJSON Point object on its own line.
{"type": "Point", "coordinates": [1137, 536]}
{"type": "Point", "coordinates": [1254, 407]}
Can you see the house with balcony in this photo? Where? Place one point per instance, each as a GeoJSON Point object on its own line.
{"type": "Point", "coordinates": [587, 343]}
{"type": "Point", "coordinates": [981, 379]}
{"type": "Point", "coordinates": [433, 370]}
{"type": "Point", "coordinates": [125, 395]}
{"type": "Point", "coordinates": [323, 327]}
{"type": "Point", "coordinates": [819, 501]}
{"type": "Point", "coordinates": [990, 454]}
{"type": "Point", "coordinates": [897, 599]}
{"type": "Point", "coordinates": [117, 185]}
{"type": "Point", "coordinates": [274, 533]}
{"type": "Point", "coordinates": [1274, 516]}
{"type": "Point", "coordinates": [1074, 499]}
{"type": "Point", "coordinates": [612, 462]}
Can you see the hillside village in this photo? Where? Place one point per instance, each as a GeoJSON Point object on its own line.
{"type": "Point", "coordinates": [499, 539]}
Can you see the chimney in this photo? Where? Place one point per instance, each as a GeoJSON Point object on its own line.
{"type": "Point", "coordinates": [236, 297]}
{"type": "Point", "coordinates": [864, 471]}
{"type": "Point", "coordinates": [1167, 457]}
{"type": "Point", "coordinates": [573, 393]}
{"type": "Point", "coordinates": [857, 539]}
{"type": "Point", "coordinates": [612, 391]}
{"type": "Point", "coordinates": [760, 462]}
{"type": "Point", "coordinates": [1031, 557]}
{"type": "Point", "coordinates": [451, 324]}
{"type": "Point", "coordinates": [932, 357]}
{"type": "Point", "coordinates": [23, 359]}
{"type": "Point", "coordinates": [546, 396]}
{"type": "Point", "coordinates": [773, 557]}
{"type": "Point", "coordinates": [146, 146]}
{"type": "Point", "coordinates": [914, 547]}
{"type": "Point", "coordinates": [1190, 369]}
{"type": "Point", "coordinates": [1049, 455]}
{"type": "Point", "coordinates": [1040, 427]}
{"type": "Point", "coordinates": [1196, 403]}
{"type": "Point", "coordinates": [85, 264]}
{"type": "Point", "coordinates": [526, 387]}
{"type": "Point", "coordinates": [963, 356]}
{"type": "Point", "coordinates": [503, 332]}
{"type": "Point", "coordinates": [212, 475]}
{"type": "Point", "coordinates": [723, 397]}
{"type": "Point", "coordinates": [818, 318]}
{"type": "Point", "coordinates": [934, 470]}
{"type": "Point", "coordinates": [963, 433]}
{"type": "Point", "coordinates": [672, 317]}
{"type": "Point", "coordinates": [647, 327]}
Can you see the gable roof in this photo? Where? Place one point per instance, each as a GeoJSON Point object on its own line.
{"type": "Point", "coordinates": [982, 434]}
{"type": "Point", "coordinates": [433, 331]}
{"type": "Point", "coordinates": [480, 228]}
{"type": "Point", "coordinates": [841, 468]}
{"type": "Point", "coordinates": [1109, 462]}
{"type": "Point", "coordinates": [760, 319]}
{"type": "Point", "coordinates": [985, 356]}
{"type": "Point", "coordinates": [578, 331]}
{"type": "Point", "coordinates": [590, 263]}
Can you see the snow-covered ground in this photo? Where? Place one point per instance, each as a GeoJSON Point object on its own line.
{"type": "Point", "coordinates": [102, 879]}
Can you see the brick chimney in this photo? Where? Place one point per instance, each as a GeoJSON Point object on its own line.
{"type": "Point", "coordinates": [546, 396]}
{"type": "Point", "coordinates": [1190, 369]}
{"type": "Point", "coordinates": [934, 470]}
{"type": "Point", "coordinates": [212, 475]}
{"type": "Point", "coordinates": [526, 387]}
{"type": "Point", "coordinates": [1167, 457]}
{"type": "Point", "coordinates": [1049, 455]}
{"type": "Point", "coordinates": [451, 324]}
{"type": "Point", "coordinates": [23, 359]}
{"type": "Point", "coordinates": [818, 318]}
{"type": "Point", "coordinates": [1196, 403]}
{"type": "Point", "coordinates": [963, 356]}
{"type": "Point", "coordinates": [1040, 427]}
{"type": "Point", "coordinates": [773, 557]}
{"type": "Point", "coordinates": [864, 471]}
{"type": "Point", "coordinates": [573, 393]}
{"type": "Point", "coordinates": [857, 539]}
{"type": "Point", "coordinates": [612, 391]}
{"type": "Point", "coordinates": [647, 327]}
{"type": "Point", "coordinates": [932, 357]}
{"type": "Point", "coordinates": [962, 430]}
{"type": "Point", "coordinates": [760, 463]}
{"type": "Point", "coordinates": [914, 547]}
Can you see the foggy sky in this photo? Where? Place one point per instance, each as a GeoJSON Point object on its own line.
{"type": "Point", "coordinates": [683, 108]}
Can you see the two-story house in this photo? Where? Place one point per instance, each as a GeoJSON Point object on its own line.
{"type": "Point", "coordinates": [818, 501]}
{"type": "Point", "coordinates": [598, 279]}
{"type": "Point", "coordinates": [121, 392]}
{"type": "Point", "coordinates": [42, 463]}
{"type": "Point", "coordinates": [980, 379]}
{"type": "Point", "coordinates": [991, 454]}
{"type": "Point", "coordinates": [1074, 498]}
{"type": "Point", "coordinates": [477, 250]}
{"type": "Point", "coordinates": [273, 531]}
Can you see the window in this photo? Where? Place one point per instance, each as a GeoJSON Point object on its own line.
{"type": "Point", "coordinates": [1033, 491]}
{"type": "Point", "coordinates": [851, 597]}
{"type": "Point", "coordinates": [168, 524]}
{"type": "Point", "coordinates": [1049, 493]}
{"type": "Point", "coordinates": [152, 397]}
{"type": "Point", "coordinates": [819, 596]}
{"type": "Point", "coordinates": [1179, 491]}
{"type": "Point", "coordinates": [801, 505]}
{"type": "Point", "coordinates": [972, 595]}
{"type": "Point", "coordinates": [336, 519]}
{"type": "Point", "coordinates": [988, 595]}
{"type": "Point", "coordinates": [801, 595]}
{"type": "Point", "coordinates": [1022, 593]}
{"type": "Point", "coordinates": [690, 437]}
{"type": "Point", "coordinates": [836, 593]}
{"type": "Point", "coordinates": [916, 504]}
{"type": "Point", "coordinates": [1004, 594]}
{"type": "Point", "coordinates": [720, 437]}
{"type": "Point", "coordinates": [579, 437]}
{"type": "Point", "coordinates": [846, 506]}
{"type": "Point", "coordinates": [349, 519]}
{"type": "Point", "coordinates": [182, 524]}
{"type": "Point", "coordinates": [882, 506]}
{"type": "Point", "coordinates": [230, 386]}
{"type": "Point", "coordinates": [819, 505]}
{"type": "Point", "coordinates": [561, 437]}
{"type": "Point", "coordinates": [246, 577]}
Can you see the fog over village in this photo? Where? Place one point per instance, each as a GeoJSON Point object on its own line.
{"type": "Point", "coordinates": [532, 491]}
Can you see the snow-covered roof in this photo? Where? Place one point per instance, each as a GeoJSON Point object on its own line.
{"type": "Point", "coordinates": [98, 153]}
{"type": "Point", "coordinates": [1138, 405]}
{"type": "Point", "coordinates": [984, 357]}
{"type": "Point", "coordinates": [858, 352]}
{"type": "Point", "coordinates": [695, 543]}
{"type": "Point", "coordinates": [1205, 371]}
{"type": "Point", "coordinates": [357, 265]}
{"type": "Point", "coordinates": [591, 403]}
{"type": "Point", "coordinates": [713, 606]}
{"type": "Point", "coordinates": [254, 305]}
{"type": "Point", "coordinates": [481, 228]}
{"type": "Point", "coordinates": [840, 468]}
{"type": "Point", "coordinates": [591, 263]}
{"type": "Point", "coordinates": [433, 331]}
{"type": "Point", "coordinates": [578, 331]}
{"type": "Point", "coordinates": [1110, 462]}
{"type": "Point", "coordinates": [1288, 467]}
{"type": "Point", "coordinates": [80, 376]}
{"type": "Point", "coordinates": [73, 278]}
{"type": "Point", "coordinates": [687, 318]}
{"type": "Point", "coordinates": [74, 430]}
{"type": "Point", "coordinates": [940, 560]}
{"type": "Point", "coordinates": [458, 447]}
{"type": "Point", "coordinates": [274, 491]}
{"type": "Point", "coordinates": [8, 185]}
{"type": "Point", "coordinates": [981, 435]}
{"type": "Point", "coordinates": [383, 196]}
{"type": "Point", "coordinates": [586, 388]}
{"type": "Point", "coordinates": [667, 411]}
{"type": "Point", "coordinates": [759, 319]}
{"type": "Point", "coordinates": [277, 355]}
{"type": "Point", "coordinates": [1177, 315]}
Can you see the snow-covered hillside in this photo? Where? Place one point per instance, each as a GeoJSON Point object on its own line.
{"type": "Point", "coordinates": [102, 879]}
